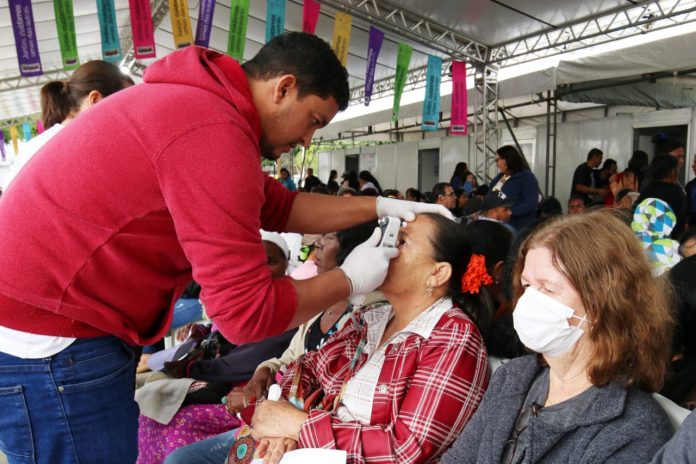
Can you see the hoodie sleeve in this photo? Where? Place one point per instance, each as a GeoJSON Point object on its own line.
{"type": "Point", "coordinates": [216, 193]}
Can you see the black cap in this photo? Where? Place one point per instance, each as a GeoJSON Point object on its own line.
{"type": "Point", "coordinates": [494, 200]}
{"type": "Point", "coordinates": [472, 206]}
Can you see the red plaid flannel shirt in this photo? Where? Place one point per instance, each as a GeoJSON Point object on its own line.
{"type": "Point", "coordinates": [434, 385]}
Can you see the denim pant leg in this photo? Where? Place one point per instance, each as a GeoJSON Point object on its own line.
{"type": "Point", "coordinates": [213, 450]}
{"type": "Point", "coordinates": [74, 407]}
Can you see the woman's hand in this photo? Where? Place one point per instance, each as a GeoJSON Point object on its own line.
{"type": "Point", "coordinates": [259, 384]}
{"type": "Point", "coordinates": [273, 449]}
{"type": "Point", "coordinates": [277, 419]}
{"type": "Point", "coordinates": [236, 401]}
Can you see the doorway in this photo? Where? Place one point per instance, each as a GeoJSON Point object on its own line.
{"type": "Point", "coordinates": [353, 163]}
{"type": "Point", "coordinates": [428, 169]}
{"type": "Point", "coordinates": [654, 141]}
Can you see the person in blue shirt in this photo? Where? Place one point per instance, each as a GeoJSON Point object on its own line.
{"type": "Point", "coordinates": [518, 183]}
{"type": "Point", "coordinates": [286, 180]}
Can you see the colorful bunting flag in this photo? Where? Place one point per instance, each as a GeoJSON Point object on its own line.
{"type": "Point", "coordinates": [65, 25]}
{"type": "Point", "coordinates": [458, 125]}
{"type": "Point", "coordinates": [2, 146]}
{"type": "Point", "coordinates": [403, 58]}
{"type": "Point", "coordinates": [181, 23]}
{"type": "Point", "coordinates": [141, 27]}
{"type": "Point", "coordinates": [310, 16]}
{"type": "Point", "coordinates": [373, 48]}
{"type": "Point", "coordinates": [341, 36]}
{"type": "Point", "coordinates": [39, 127]}
{"type": "Point", "coordinates": [25, 38]}
{"type": "Point", "coordinates": [431, 105]}
{"type": "Point", "coordinates": [275, 18]}
{"type": "Point", "coordinates": [14, 134]}
{"type": "Point", "coordinates": [108, 27]}
{"type": "Point", "coordinates": [205, 22]}
{"type": "Point", "coordinates": [26, 129]}
{"type": "Point", "coordinates": [239, 15]}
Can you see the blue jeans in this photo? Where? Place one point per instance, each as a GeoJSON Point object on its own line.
{"type": "Point", "coordinates": [213, 450]}
{"type": "Point", "coordinates": [74, 407]}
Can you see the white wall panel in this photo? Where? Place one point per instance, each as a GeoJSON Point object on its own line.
{"type": "Point", "coordinates": [406, 156]}
{"type": "Point", "coordinates": [452, 151]}
{"type": "Point", "coordinates": [385, 157]}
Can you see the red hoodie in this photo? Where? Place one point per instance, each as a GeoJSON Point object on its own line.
{"type": "Point", "coordinates": [101, 231]}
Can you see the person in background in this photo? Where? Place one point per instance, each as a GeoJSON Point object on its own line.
{"type": "Point", "coordinates": [310, 181]}
{"type": "Point", "coordinates": [549, 207]}
{"type": "Point", "coordinates": [459, 176]}
{"type": "Point", "coordinates": [585, 182]}
{"type": "Point", "coordinates": [331, 184]}
{"type": "Point", "coordinates": [496, 207]}
{"type": "Point", "coordinates": [518, 182]}
{"type": "Point", "coordinates": [393, 193]}
{"type": "Point", "coordinates": [286, 180]}
{"type": "Point", "coordinates": [62, 101]}
{"type": "Point", "coordinates": [664, 174]}
{"type": "Point", "coordinates": [626, 199]}
{"type": "Point", "coordinates": [687, 243]}
{"type": "Point", "coordinates": [690, 190]}
{"type": "Point", "coordinates": [584, 396]}
{"type": "Point", "coordinates": [576, 204]}
{"type": "Point", "coordinates": [368, 181]}
{"type": "Point", "coordinates": [680, 385]}
{"type": "Point", "coordinates": [350, 179]}
{"type": "Point", "coordinates": [632, 177]}
{"type": "Point", "coordinates": [444, 195]}
{"type": "Point", "coordinates": [413, 194]}
{"type": "Point", "coordinates": [347, 192]}
{"type": "Point", "coordinates": [603, 178]}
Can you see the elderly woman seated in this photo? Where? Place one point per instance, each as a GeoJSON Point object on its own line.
{"type": "Point", "coordinates": [399, 382]}
{"type": "Point", "coordinates": [588, 305]}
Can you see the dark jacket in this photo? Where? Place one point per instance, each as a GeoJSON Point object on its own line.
{"type": "Point", "coordinates": [680, 449]}
{"type": "Point", "coordinates": [623, 426]}
{"type": "Point", "coordinates": [674, 196]}
{"type": "Point", "coordinates": [524, 189]}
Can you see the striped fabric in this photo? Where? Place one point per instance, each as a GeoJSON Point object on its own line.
{"type": "Point", "coordinates": [427, 390]}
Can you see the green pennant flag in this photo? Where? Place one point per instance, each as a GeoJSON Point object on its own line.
{"type": "Point", "coordinates": [239, 15]}
{"type": "Point", "coordinates": [403, 58]}
{"type": "Point", "coordinates": [65, 24]}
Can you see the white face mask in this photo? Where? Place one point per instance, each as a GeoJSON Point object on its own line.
{"type": "Point", "coordinates": [542, 323]}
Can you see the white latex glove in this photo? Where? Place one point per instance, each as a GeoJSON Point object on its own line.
{"type": "Point", "coordinates": [407, 210]}
{"type": "Point", "coordinates": [366, 266]}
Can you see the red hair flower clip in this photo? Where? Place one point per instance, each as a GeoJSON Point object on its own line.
{"type": "Point", "coordinates": [476, 275]}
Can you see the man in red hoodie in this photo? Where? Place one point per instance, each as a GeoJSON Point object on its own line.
{"type": "Point", "coordinates": [161, 182]}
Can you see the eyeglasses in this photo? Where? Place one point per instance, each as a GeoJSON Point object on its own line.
{"type": "Point", "coordinates": [521, 424]}
{"type": "Point", "coordinates": [451, 194]}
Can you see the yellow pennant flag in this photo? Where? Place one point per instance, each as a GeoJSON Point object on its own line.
{"type": "Point", "coordinates": [14, 133]}
{"type": "Point", "coordinates": [341, 36]}
{"type": "Point", "coordinates": [181, 23]}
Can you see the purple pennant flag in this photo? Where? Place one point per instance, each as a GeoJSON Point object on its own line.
{"type": "Point", "coordinates": [2, 145]}
{"type": "Point", "coordinates": [374, 45]}
{"type": "Point", "coordinates": [205, 22]}
{"type": "Point", "coordinates": [25, 38]}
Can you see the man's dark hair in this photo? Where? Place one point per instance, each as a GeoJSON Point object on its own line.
{"type": "Point", "coordinates": [622, 193]}
{"type": "Point", "coordinates": [670, 145]}
{"type": "Point", "coordinates": [608, 163]}
{"type": "Point", "coordinates": [662, 166]}
{"type": "Point", "coordinates": [576, 196]}
{"type": "Point", "coordinates": [594, 152]}
{"type": "Point", "coordinates": [415, 193]}
{"type": "Point", "coordinates": [308, 58]}
{"type": "Point", "coordinates": [440, 190]}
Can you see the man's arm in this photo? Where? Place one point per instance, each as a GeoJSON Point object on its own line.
{"type": "Point", "coordinates": [318, 293]}
{"type": "Point", "coordinates": [318, 214]}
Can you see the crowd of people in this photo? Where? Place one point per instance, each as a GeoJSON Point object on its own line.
{"type": "Point", "coordinates": [497, 329]}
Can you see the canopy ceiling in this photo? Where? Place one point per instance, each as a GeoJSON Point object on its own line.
{"type": "Point", "coordinates": [503, 32]}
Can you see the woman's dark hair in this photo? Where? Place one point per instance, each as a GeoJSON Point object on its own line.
{"type": "Point", "coordinates": [285, 171]}
{"type": "Point", "coordinates": [682, 377]}
{"type": "Point", "coordinates": [333, 174]}
{"type": "Point", "coordinates": [61, 98]}
{"type": "Point", "coordinates": [549, 207]}
{"type": "Point", "coordinates": [514, 161]}
{"type": "Point", "coordinates": [490, 239]}
{"type": "Point", "coordinates": [368, 177]}
{"type": "Point", "coordinates": [415, 193]}
{"type": "Point", "coordinates": [460, 170]}
{"type": "Point", "coordinates": [451, 244]}
{"type": "Point", "coordinates": [662, 166]}
{"type": "Point", "coordinates": [351, 237]}
{"type": "Point", "coordinates": [353, 180]}
{"type": "Point", "coordinates": [638, 164]}
{"type": "Point", "coordinates": [307, 57]}
{"type": "Point", "coordinates": [608, 163]}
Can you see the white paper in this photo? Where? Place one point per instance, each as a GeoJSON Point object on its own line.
{"type": "Point", "coordinates": [311, 456]}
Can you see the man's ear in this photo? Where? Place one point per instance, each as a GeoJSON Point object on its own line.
{"type": "Point", "coordinates": [283, 87]}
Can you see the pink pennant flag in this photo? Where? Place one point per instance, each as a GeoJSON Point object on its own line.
{"type": "Point", "coordinates": [310, 16]}
{"type": "Point", "coordinates": [458, 126]}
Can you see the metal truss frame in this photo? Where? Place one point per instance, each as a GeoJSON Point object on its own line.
{"type": "Point", "coordinates": [626, 21]}
{"type": "Point", "coordinates": [485, 118]}
{"type": "Point", "coordinates": [551, 138]}
{"type": "Point", "coordinates": [21, 82]}
{"type": "Point", "coordinates": [19, 120]}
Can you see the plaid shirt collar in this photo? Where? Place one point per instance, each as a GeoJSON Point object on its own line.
{"type": "Point", "coordinates": [422, 325]}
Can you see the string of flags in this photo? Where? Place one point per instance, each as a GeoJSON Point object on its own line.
{"type": "Point", "coordinates": [29, 59]}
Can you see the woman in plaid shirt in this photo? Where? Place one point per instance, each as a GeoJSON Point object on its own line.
{"type": "Point", "coordinates": [398, 383]}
